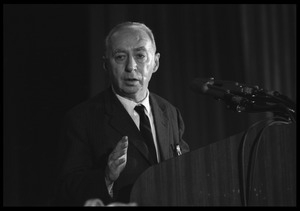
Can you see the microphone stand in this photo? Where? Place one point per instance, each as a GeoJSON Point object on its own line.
{"type": "Point", "coordinates": [243, 98]}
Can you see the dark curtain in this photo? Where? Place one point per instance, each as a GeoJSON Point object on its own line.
{"type": "Point", "coordinates": [52, 61]}
{"type": "Point", "coordinates": [252, 44]}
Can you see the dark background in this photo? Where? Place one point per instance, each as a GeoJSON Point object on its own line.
{"type": "Point", "coordinates": [52, 61]}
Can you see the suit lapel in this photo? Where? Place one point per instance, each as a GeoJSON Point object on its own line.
{"type": "Point", "coordinates": [161, 127]}
{"type": "Point", "coordinates": [121, 121]}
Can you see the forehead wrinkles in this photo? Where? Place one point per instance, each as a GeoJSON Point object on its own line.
{"type": "Point", "coordinates": [130, 38]}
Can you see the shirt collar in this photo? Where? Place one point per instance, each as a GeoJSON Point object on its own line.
{"type": "Point", "coordinates": [130, 104]}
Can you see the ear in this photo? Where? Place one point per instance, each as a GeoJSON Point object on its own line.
{"type": "Point", "coordinates": [156, 62]}
{"type": "Point", "coordinates": [105, 63]}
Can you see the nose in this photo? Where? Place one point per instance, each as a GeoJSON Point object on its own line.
{"type": "Point", "coordinates": [131, 64]}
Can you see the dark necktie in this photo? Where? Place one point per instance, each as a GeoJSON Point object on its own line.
{"type": "Point", "coordinates": [145, 129]}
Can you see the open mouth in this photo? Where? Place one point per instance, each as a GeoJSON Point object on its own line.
{"type": "Point", "coordinates": [131, 81]}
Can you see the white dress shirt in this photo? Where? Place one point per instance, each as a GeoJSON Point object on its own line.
{"type": "Point", "coordinates": [129, 105]}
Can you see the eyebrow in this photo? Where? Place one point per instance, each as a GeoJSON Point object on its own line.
{"type": "Point", "coordinates": [118, 51]}
{"type": "Point", "coordinates": [142, 48]}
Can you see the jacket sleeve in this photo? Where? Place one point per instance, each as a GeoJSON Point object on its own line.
{"type": "Point", "coordinates": [80, 178]}
{"type": "Point", "coordinates": [183, 145]}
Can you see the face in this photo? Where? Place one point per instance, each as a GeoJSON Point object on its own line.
{"type": "Point", "coordinates": [132, 61]}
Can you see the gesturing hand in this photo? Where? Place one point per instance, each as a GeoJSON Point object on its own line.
{"type": "Point", "coordinates": [117, 160]}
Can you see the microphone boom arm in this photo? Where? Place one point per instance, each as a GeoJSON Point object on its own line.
{"type": "Point", "coordinates": [244, 98]}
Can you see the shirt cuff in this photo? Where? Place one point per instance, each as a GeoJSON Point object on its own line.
{"type": "Point", "coordinates": [109, 187]}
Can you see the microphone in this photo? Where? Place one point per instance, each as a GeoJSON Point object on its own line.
{"type": "Point", "coordinates": [241, 97]}
{"type": "Point", "coordinates": [221, 89]}
{"type": "Point", "coordinates": [209, 87]}
{"type": "Point", "coordinates": [214, 89]}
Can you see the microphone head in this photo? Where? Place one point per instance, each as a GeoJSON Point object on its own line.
{"type": "Point", "coordinates": [201, 85]}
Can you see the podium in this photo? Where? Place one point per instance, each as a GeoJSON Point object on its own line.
{"type": "Point", "coordinates": [212, 175]}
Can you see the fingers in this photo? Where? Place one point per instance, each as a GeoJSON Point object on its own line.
{"type": "Point", "coordinates": [121, 204]}
{"type": "Point", "coordinates": [121, 149]}
{"type": "Point", "coordinates": [122, 144]}
{"type": "Point", "coordinates": [99, 203]}
{"type": "Point", "coordinates": [117, 159]}
{"type": "Point", "coordinates": [93, 203]}
{"type": "Point", "coordinates": [115, 163]}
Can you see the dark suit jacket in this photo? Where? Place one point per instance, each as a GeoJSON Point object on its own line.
{"type": "Point", "coordinates": [91, 131]}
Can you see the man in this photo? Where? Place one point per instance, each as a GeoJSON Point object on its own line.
{"type": "Point", "coordinates": [108, 148]}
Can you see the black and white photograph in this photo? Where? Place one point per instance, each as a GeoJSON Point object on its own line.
{"type": "Point", "coordinates": [149, 105]}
